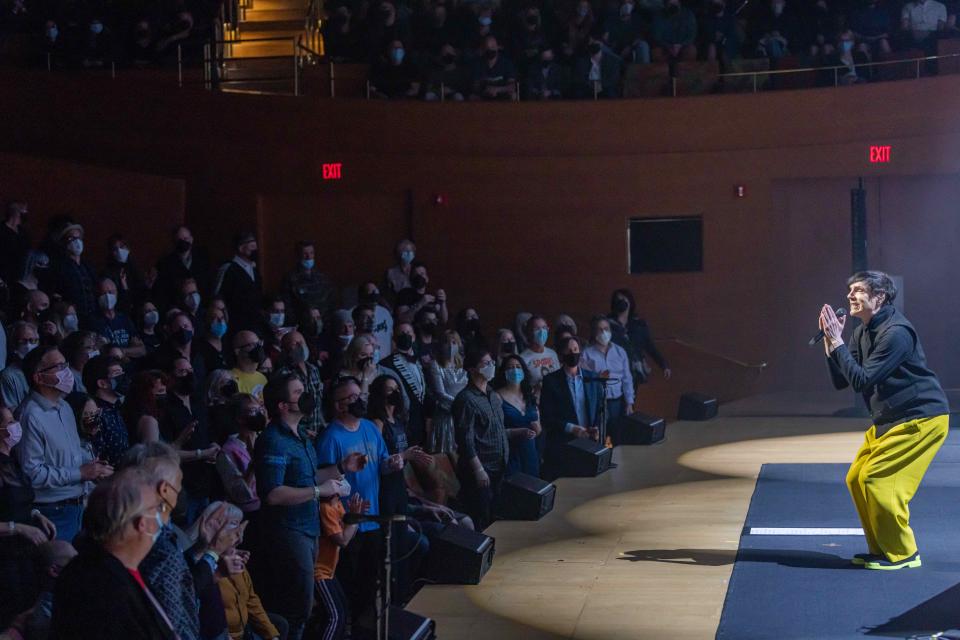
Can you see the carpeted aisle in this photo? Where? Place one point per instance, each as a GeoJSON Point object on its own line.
{"type": "Point", "coordinates": [803, 586]}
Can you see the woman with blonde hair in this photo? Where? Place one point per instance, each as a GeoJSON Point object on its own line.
{"type": "Point", "coordinates": [446, 377]}
{"type": "Point", "coordinates": [360, 362]}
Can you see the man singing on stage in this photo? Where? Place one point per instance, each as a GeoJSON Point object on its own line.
{"type": "Point", "coordinates": [885, 363]}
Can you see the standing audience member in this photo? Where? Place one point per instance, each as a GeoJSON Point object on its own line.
{"type": "Point", "coordinates": [482, 447]}
{"type": "Point", "coordinates": [184, 261]}
{"type": "Point", "coordinates": [112, 439]}
{"type": "Point", "coordinates": [521, 418]}
{"type": "Point", "coordinates": [539, 358]}
{"type": "Point", "coordinates": [239, 283]}
{"type": "Point", "coordinates": [398, 276]}
{"type": "Point", "coordinates": [404, 365]}
{"type": "Point", "coordinates": [306, 287]}
{"type": "Point", "coordinates": [293, 359]}
{"type": "Point", "coordinates": [49, 453]}
{"type": "Point", "coordinates": [73, 278]}
{"type": "Point", "coordinates": [335, 535]}
{"type": "Point", "coordinates": [610, 360]}
{"type": "Point", "coordinates": [13, 384]}
{"type": "Point", "coordinates": [14, 242]}
{"type": "Point", "coordinates": [447, 378]}
{"type": "Point", "coordinates": [631, 332]}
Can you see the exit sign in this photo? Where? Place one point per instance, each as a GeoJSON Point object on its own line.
{"type": "Point", "coordinates": [333, 171]}
{"type": "Point", "coordinates": [879, 154]}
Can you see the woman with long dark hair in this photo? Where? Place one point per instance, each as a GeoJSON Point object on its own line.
{"type": "Point", "coordinates": [521, 418]}
{"type": "Point", "coordinates": [631, 332]}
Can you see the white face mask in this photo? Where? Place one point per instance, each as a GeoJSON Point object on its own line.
{"type": "Point", "coordinates": [108, 301]}
{"type": "Point", "coordinates": [75, 246]}
{"type": "Point", "coordinates": [604, 338]}
{"type": "Point", "coordinates": [488, 371]}
{"type": "Point", "coordinates": [14, 433]}
{"type": "Point", "coordinates": [121, 254]}
{"type": "Point", "coordinates": [26, 348]}
{"type": "Point", "coordinates": [71, 322]}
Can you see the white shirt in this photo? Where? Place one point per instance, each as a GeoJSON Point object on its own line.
{"type": "Point", "coordinates": [540, 364]}
{"type": "Point", "coordinates": [924, 17]}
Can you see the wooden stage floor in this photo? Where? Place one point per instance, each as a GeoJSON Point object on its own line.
{"type": "Point", "coordinates": [646, 549]}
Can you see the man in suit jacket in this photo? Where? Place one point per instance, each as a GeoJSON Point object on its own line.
{"type": "Point", "coordinates": [570, 404]}
{"type": "Point", "coordinates": [101, 594]}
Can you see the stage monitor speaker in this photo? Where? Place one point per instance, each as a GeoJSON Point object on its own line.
{"type": "Point", "coordinates": [459, 555]}
{"type": "Point", "coordinates": [403, 625]}
{"type": "Point", "coordinates": [584, 458]}
{"type": "Point", "coordinates": [639, 428]}
{"type": "Point", "coordinates": [524, 497]}
{"type": "Point", "coordinates": [696, 406]}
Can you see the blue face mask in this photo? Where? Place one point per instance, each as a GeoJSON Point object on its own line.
{"type": "Point", "coordinates": [486, 21]}
{"type": "Point", "coordinates": [847, 46]}
{"type": "Point", "coordinates": [218, 328]}
{"type": "Point", "coordinates": [308, 264]}
{"type": "Point", "coordinates": [514, 376]}
{"type": "Point", "coordinates": [540, 336]}
{"type": "Point", "coordinates": [397, 55]}
{"type": "Point", "coordinates": [156, 534]}
{"type": "Point", "coordinates": [407, 257]}
{"type": "Point", "coordinates": [52, 33]}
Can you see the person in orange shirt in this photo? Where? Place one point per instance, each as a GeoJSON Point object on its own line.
{"type": "Point", "coordinates": [331, 600]}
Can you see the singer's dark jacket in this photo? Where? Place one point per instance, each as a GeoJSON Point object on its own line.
{"type": "Point", "coordinates": [885, 363]}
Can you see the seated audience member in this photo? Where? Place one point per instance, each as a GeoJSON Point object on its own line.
{"type": "Point", "coordinates": [101, 593]}
{"type": "Point", "coordinates": [50, 452]}
{"type": "Point", "coordinates": [579, 29]}
{"type": "Point", "coordinates": [569, 406]}
{"type": "Point", "coordinates": [148, 317]}
{"type": "Point", "coordinates": [920, 21]}
{"type": "Point", "coordinates": [394, 75]}
{"type": "Point", "coordinates": [872, 25]}
{"type": "Point", "coordinates": [404, 366]}
{"type": "Point", "coordinates": [293, 359]}
{"type": "Point", "coordinates": [306, 286]}
{"type": "Point", "coordinates": [235, 458]}
{"type": "Point", "coordinates": [51, 559]}
{"type": "Point", "coordinates": [631, 332]}
{"type": "Point", "coordinates": [482, 447]}
{"type": "Point", "coordinates": [113, 326]}
{"type": "Point", "coordinates": [529, 37]}
{"type": "Point", "coordinates": [180, 571]}
{"type": "Point", "coordinates": [102, 375]}
{"type": "Point", "coordinates": [289, 488]}
{"type": "Point", "coordinates": [494, 76]}
{"type": "Point", "coordinates": [72, 277]}
{"type": "Point", "coordinates": [249, 355]}
{"type": "Point", "coordinates": [447, 79]}
{"type": "Point", "coordinates": [386, 24]}
{"type": "Point", "coordinates": [22, 527]}
{"type": "Point", "coordinates": [398, 276]}
{"type": "Point", "coordinates": [239, 283]}
{"type": "Point", "coordinates": [545, 77]}
{"type": "Point", "coordinates": [521, 418]}
{"type": "Point", "coordinates": [335, 535]}
{"type": "Point", "coordinates": [779, 31]}
{"type": "Point", "coordinates": [246, 617]}
{"type": "Point", "coordinates": [446, 378]}
{"type": "Point", "coordinates": [369, 294]}
{"type": "Point", "coordinates": [624, 34]}
{"type": "Point", "coordinates": [77, 349]}
{"type": "Point", "coordinates": [539, 358]}
{"type": "Point", "coordinates": [610, 360]}
{"type": "Point", "coordinates": [351, 433]}
{"type": "Point", "coordinates": [415, 297]}
{"type": "Point", "coordinates": [848, 56]}
{"type": "Point", "coordinates": [210, 347]}
{"type": "Point", "coordinates": [675, 32]}
{"type": "Point", "coordinates": [13, 384]}
{"type": "Point", "coordinates": [720, 34]}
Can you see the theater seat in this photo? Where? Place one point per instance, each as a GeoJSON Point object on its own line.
{"type": "Point", "coordinates": [902, 71]}
{"type": "Point", "coordinates": [697, 78]}
{"type": "Point", "coordinates": [646, 80]}
{"type": "Point", "coordinates": [948, 47]}
{"type": "Point", "coordinates": [799, 80]}
{"type": "Point", "coordinates": [744, 84]}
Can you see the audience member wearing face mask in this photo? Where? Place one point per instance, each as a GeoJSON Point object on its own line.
{"type": "Point", "coordinates": [611, 361]}
{"type": "Point", "coordinates": [446, 378]}
{"type": "Point", "coordinates": [521, 418]}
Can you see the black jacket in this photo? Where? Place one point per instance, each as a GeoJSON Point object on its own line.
{"type": "Point", "coordinates": [885, 363]}
{"type": "Point", "coordinates": [556, 405]}
{"type": "Point", "coordinates": [96, 598]}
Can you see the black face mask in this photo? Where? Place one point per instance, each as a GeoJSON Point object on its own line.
{"type": "Point", "coordinates": [123, 385]}
{"type": "Point", "coordinates": [366, 324]}
{"type": "Point", "coordinates": [363, 363]}
{"type": "Point", "coordinates": [307, 403]}
{"type": "Point", "coordinates": [254, 256]}
{"type": "Point", "coordinates": [571, 359]}
{"type": "Point", "coordinates": [257, 354]}
{"type": "Point", "coordinates": [417, 281]}
{"type": "Point", "coordinates": [448, 58]}
{"type": "Point", "coordinates": [394, 398]}
{"type": "Point", "coordinates": [508, 347]}
{"type": "Point", "coordinates": [256, 422]}
{"type": "Point", "coordinates": [594, 48]}
{"type": "Point", "coordinates": [404, 341]}
{"type": "Point", "coordinates": [357, 408]}
{"type": "Point", "coordinates": [532, 21]}
{"type": "Point", "coordinates": [472, 325]}
{"type": "Point", "coordinates": [490, 54]}
{"type": "Point", "coordinates": [183, 337]}
{"type": "Point", "coordinates": [183, 246]}
{"type": "Point", "coordinates": [428, 328]}
{"type": "Point", "coordinates": [229, 389]}
{"type": "Point", "coordinates": [620, 305]}
{"type": "Point", "coordinates": [186, 384]}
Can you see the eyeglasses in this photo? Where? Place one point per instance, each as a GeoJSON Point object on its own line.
{"type": "Point", "coordinates": [56, 368]}
{"type": "Point", "coordinates": [351, 398]}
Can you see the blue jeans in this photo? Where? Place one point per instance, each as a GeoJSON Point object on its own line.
{"type": "Point", "coordinates": [68, 519]}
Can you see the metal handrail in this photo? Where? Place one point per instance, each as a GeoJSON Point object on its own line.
{"type": "Point", "coordinates": [770, 72]}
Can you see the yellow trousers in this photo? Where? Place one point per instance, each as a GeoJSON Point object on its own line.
{"type": "Point", "coordinates": [885, 475]}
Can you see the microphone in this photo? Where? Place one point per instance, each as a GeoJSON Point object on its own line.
{"type": "Point", "coordinates": [357, 518]}
{"type": "Point", "coordinates": [817, 338]}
